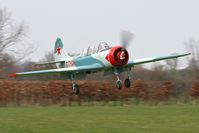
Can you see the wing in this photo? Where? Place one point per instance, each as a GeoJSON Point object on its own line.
{"type": "Point", "coordinates": [51, 62]}
{"type": "Point", "coordinates": [148, 60]}
{"type": "Point", "coordinates": [90, 68]}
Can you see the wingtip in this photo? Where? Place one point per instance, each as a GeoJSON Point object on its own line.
{"type": "Point", "coordinates": [187, 54]}
{"type": "Point", "coordinates": [12, 75]}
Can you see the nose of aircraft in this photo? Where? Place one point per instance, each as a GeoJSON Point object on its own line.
{"type": "Point", "coordinates": [118, 56]}
{"type": "Point", "coordinates": [121, 55]}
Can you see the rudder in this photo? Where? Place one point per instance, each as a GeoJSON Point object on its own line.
{"type": "Point", "coordinates": [59, 50]}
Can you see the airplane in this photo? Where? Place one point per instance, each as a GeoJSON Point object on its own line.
{"type": "Point", "coordinates": [110, 60]}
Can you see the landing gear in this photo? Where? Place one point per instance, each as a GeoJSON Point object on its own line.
{"type": "Point", "coordinates": [127, 83]}
{"type": "Point", "coordinates": [119, 84]}
{"type": "Point", "coordinates": [75, 87]}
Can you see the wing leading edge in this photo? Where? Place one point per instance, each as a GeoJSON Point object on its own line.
{"type": "Point", "coordinates": [94, 67]}
{"type": "Point", "coordinates": [148, 60]}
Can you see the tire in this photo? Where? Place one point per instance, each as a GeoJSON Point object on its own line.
{"type": "Point", "coordinates": [119, 84]}
{"type": "Point", "coordinates": [127, 83]}
{"type": "Point", "coordinates": [76, 89]}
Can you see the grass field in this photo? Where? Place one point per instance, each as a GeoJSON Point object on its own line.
{"type": "Point", "coordinates": [101, 119]}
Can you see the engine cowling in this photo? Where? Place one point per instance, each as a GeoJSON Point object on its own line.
{"type": "Point", "coordinates": [118, 56]}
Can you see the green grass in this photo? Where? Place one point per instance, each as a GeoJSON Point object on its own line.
{"type": "Point", "coordinates": [101, 119]}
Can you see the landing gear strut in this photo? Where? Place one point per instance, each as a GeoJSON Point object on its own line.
{"type": "Point", "coordinates": [75, 87]}
{"type": "Point", "coordinates": [118, 82]}
{"type": "Point", "coordinates": [127, 81]}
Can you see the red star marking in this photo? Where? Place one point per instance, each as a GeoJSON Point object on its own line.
{"type": "Point", "coordinates": [59, 50]}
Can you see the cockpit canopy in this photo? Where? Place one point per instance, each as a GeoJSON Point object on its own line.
{"type": "Point", "coordinates": [95, 49]}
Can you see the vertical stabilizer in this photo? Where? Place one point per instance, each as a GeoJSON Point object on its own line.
{"type": "Point", "coordinates": [60, 51]}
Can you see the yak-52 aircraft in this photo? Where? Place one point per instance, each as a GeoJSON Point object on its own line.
{"type": "Point", "coordinates": [110, 60]}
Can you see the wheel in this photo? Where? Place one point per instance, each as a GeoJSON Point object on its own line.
{"type": "Point", "coordinates": [76, 89]}
{"type": "Point", "coordinates": [127, 83]}
{"type": "Point", "coordinates": [119, 84]}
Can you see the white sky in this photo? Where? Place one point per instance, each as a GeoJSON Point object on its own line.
{"type": "Point", "coordinates": [160, 26]}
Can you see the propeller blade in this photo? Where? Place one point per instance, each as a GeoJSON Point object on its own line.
{"type": "Point", "coordinates": [126, 38]}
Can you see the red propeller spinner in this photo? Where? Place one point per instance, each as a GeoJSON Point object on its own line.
{"type": "Point", "coordinates": [118, 56]}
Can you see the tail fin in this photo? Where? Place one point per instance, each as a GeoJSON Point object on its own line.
{"type": "Point", "coordinates": [60, 51]}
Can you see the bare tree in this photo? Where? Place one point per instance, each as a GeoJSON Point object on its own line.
{"type": "Point", "coordinates": [6, 60]}
{"type": "Point", "coordinates": [12, 38]}
{"type": "Point", "coordinates": [158, 71]}
{"type": "Point", "coordinates": [48, 57]}
{"type": "Point", "coordinates": [192, 46]}
{"type": "Point", "coordinates": [172, 64]}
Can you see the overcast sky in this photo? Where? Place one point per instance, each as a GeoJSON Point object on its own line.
{"type": "Point", "coordinates": [160, 26]}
